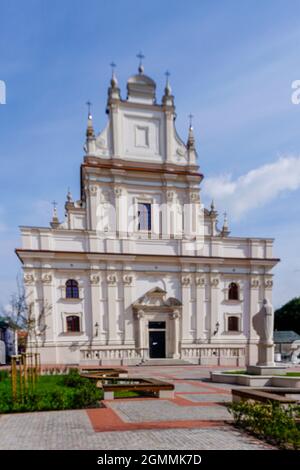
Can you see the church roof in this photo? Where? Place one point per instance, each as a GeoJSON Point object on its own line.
{"type": "Point", "coordinates": [141, 87]}
{"type": "Point", "coordinates": [285, 336]}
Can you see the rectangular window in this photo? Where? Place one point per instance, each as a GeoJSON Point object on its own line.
{"type": "Point", "coordinates": [144, 216]}
{"type": "Point", "coordinates": [157, 325]}
{"type": "Point", "coordinates": [233, 323]}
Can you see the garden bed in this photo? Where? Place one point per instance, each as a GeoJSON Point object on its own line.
{"type": "Point", "coordinates": [53, 392]}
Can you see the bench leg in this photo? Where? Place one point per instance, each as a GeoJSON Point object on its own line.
{"type": "Point", "coordinates": [109, 395]}
{"type": "Point", "coordinates": [166, 394]}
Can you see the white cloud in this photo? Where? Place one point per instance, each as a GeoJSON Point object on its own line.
{"type": "Point", "coordinates": [254, 189]}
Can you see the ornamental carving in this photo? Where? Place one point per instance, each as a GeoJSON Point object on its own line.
{"type": "Point", "coordinates": [200, 281]}
{"type": "Point", "coordinates": [140, 314]}
{"type": "Point", "coordinates": [118, 191]}
{"type": "Point", "coordinates": [268, 284]}
{"type": "Point", "coordinates": [170, 196]}
{"type": "Point", "coordinates": [194, 196]}
{"type": "Point", "coordinates": [127, 279]}
{"type": "Point", "coordinates": [175, 315]}
{"type": "Point", "coordinates": [93, 190]}
{"type": "Point", "coordinates": [28, 279]}
{"type": "Point", "coordinates": [185, 280]}
{"type": "Point", "coordinates": [111, 279]}
{"type": "Point", "coordinates": [255, 283]}
{"type": "Point", "coordinates": [94, 279]}
{"type": "Point", "coordinates": [214, 282]}
{"type": "Point", "coordinates": [46, 278]}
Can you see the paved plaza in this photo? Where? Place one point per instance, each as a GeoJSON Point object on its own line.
{"type": "Point", "coordinates": [195, 419]}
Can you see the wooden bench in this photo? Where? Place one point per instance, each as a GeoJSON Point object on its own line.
{"type": "Point", "coordinates": [264, 395]}
{"type": "Point", "coordinates": [98, 373]}
{"type": "Point", "coordinates": [137, 384]}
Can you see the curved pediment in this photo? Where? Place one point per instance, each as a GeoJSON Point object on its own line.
{"type": "Point", "coordinates": [156, 297]}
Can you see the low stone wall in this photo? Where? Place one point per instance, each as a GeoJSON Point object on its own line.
{"type": "Point", "coordinates": [255, 380]}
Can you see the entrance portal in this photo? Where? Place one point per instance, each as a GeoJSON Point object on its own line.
{"type": "Point", "coordinates": [157, 344]}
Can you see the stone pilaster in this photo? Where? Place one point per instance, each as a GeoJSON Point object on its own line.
{"type": "Point", "coordinates": [111, 303]}
{"type": "Point", "coordinates": [176, 327]}
{"type": "Point", "coordinates": [93, 196]}
{"type": "Point", "coordinates": [200, 302]}
{"type": "Point", "coordinates": [253, 310]}
{"type": "Point", "coordinates": [96, 317]}
{"type": "Point", "coordinates": [47, 310]}
{"type": "Point", "coordinates": [127, 310]}
{"type": "Point", "coordinates": [214, 305]}
{"type": "Point", "coordinates": [186, 297]}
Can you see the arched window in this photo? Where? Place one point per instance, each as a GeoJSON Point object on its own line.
{"type": "Point", "coordinates": [144, 216]}
{"type": "Point", "coordinates": [73, 323]}
{"type": "Point", "coordinates": [72, 291]}
{"type": "Point", "coordinates": [233, 292]}
{"type": "Point", "coordinates": [233, 324]}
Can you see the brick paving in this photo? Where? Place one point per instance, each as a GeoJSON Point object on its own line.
{"type": "Point", "coordinates": [194, 419]}
{"type": "Point", "coordinates": [164, 410]}
{"type": "Point", "coordinates": [73, 430]}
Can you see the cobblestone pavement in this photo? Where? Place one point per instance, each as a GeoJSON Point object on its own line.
{"type": "Point", "coordinates": [163, 410]}
{"type": "Point", "coordinates": [73, 430]}
{"type": "Point", "coordinates": [194, 419]}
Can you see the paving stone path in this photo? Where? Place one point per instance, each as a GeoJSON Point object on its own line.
{"type": "Point", "coordinates": [195, 419]}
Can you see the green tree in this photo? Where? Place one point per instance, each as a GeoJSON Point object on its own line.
{"type": "Point", "coordinates": [288, 316]}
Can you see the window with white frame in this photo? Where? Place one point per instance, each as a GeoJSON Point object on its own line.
{"type": "Point", "coordinates": [233, 291]}
{"type": "Point", "coordinates": [73, 324]}
{"type": "Point", "coordinates": [144, 216]}
{"type": "Point", "coordinates": [233, 323]}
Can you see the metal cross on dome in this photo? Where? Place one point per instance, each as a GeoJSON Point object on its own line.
{"type": "Point", "coordinates": [191, 119]}
{"type": "Point", "coordinates": [140, 56]}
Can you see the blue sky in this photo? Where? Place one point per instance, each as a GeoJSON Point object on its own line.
{"type": "Point", "coordinates": [232, 64]}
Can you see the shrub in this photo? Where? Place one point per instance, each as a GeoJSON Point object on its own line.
{"type": "Point", "coordinates": [269, 421]}
{"type": "Point", "coordinates": [53, 393]}
{"type": "Point", "coordinates": [74, 379]}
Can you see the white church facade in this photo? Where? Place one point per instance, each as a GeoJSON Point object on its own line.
{"type": "Point", "coordinates": [138, 269]}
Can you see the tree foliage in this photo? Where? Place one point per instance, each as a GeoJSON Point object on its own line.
{"type": "Point", "coordinates": [288, 316]}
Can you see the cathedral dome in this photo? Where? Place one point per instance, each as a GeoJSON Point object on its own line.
{"type": "Point", "coordinates": [141, 88]}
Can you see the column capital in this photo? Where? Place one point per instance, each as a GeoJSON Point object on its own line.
{"type": "Point", "coordinates": [94, 279]}
{"type": "Point", "coordinates": [200, 281]}
{"type": "Point", "coordinates": [186, 280]}
{"type": "Point", "coordinates": [111, 279]}
{"type": "Point", "coordinates": [127, 279]}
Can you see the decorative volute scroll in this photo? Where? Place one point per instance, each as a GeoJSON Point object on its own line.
{"type": "Point", "coordinates": [46, 278]}
{"type": "Point", "coordinates": [254, 283]}
{"type": "Point", "coordinates": [93, 190]}
{"type": "Point", "coordinates": [118, 191]}
{"type": "Point", "coordinates": [268, 284]}
{"type": "Point", "coordinates": [170, 196]}
{"type": "Point", "coordinates": [214, 282]}
{"type": "Point", "coordinates": [28, 279]}
{"type": "Point", "coordinates": [94, 279]}
{"type": "Point", "coordinates": [200, 281]}
{"type": "Point", "coordinates": [111, 279]}
{"type": "Point", "coordinates": [127, 279]}
{"type": "Point", "coordinates": [186, 280]}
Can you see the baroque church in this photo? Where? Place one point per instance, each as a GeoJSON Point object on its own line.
{"type": "Point", "coordinates": [139, 270]}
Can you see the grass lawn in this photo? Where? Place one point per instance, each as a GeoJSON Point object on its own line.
{"type": "Point", "coordinates": [235, 372]}
{"type": "Point", "coordinates": [56, 392]}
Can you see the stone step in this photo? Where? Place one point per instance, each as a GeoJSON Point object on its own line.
{"type": "Point", "coordinates": [165, 362]}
